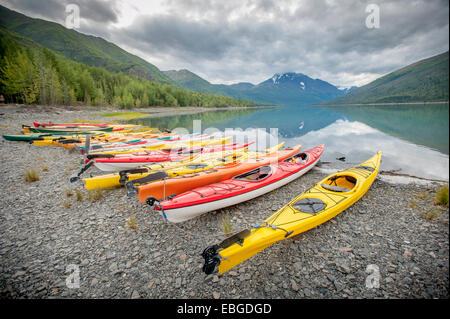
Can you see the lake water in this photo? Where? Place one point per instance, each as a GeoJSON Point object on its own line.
{"type": "Point", "coordinates": [414, 139]}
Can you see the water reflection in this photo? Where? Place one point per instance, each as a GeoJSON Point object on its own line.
{"type": "Point", "coordinates": [357, 142]}
{"type": "Point", "coordinates": [413, 138]}
{"type": "Point", "coordinates": [425, 124]}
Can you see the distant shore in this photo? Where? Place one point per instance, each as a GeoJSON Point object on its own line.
{"type": "Point", "coordinates": [95, 112]}
{"type": "Point", "coordinates": [388, 103]}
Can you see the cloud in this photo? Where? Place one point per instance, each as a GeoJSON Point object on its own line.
{"type": "Point", "coordinates": [94, 11]}
{"type": "Point", "coordinates": [250, 40]}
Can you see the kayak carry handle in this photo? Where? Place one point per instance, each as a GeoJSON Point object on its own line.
{"type": "Point", "coordinates": [211, 255]}
{"type": "Point", "coordinates": [212, 259]}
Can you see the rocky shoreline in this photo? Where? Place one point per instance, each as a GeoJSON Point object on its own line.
{"type": "Point", "coordinates": [123, 249]}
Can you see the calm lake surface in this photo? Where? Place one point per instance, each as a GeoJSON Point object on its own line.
{"type": "Point", "coordinates": [414, 139]}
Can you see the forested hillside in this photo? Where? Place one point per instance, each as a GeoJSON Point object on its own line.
{"type": "Point", "coordinates": [87, 49]}
{"type": "Point", "coordinates": [31, 73]}
{"type": "Point", "coordinates": [424, 81]}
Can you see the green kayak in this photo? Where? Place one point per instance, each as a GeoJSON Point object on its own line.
{"type": "Point", "coordinates": [30, 137]}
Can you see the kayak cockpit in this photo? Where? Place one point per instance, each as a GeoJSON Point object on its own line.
{"type": "Point", "coordinates": [300, 158]}
{"type": "Point", "coordinates": [255, 175]}
{"type": "Point", "coordinates": [339, 183]}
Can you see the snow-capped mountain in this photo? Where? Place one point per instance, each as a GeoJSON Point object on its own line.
{"type": "Point", "coordinates": [346, 90]}
{"type": "Point", "coordinates": [282, 88]}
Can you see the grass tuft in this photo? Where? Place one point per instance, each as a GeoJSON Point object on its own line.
{"type": "Point", "coordinates": [441, 197]}
{"type": "Point", "coordinates": [69, 193]}
{"type": "Point", "coordinates": [95, 195]}
{"type": "Point", "coordinates": [132, 223]}
{"type": "Point", "coordinates": [227, 228]}
{"type": "Point", "coordinates": [432, 213]}
{"type": "Point", "coordinates": [31, 175]}
{"type": "Point", "coordinates": [79, 195]}
{"type": "Point", "coordinates": [67, 203]}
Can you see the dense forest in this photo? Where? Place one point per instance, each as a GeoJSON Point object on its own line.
{"type": "Point", "coordinates": [33, 74]}
{"type": "Point", "coordinates": [424, 81]}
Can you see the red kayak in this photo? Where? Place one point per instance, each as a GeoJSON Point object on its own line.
{"type": "Point", "coordinates": [37, 124]}
{"type": "Point", "coordinates": [240, 188]}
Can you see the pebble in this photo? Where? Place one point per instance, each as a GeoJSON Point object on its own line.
{"type": "Point", "coordinates": [135, 295]}
{"type": "Point", "coordinates": [294, 286]}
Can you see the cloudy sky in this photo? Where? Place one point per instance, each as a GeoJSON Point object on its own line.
{"type": "Point", "coordinates": [250, 40]}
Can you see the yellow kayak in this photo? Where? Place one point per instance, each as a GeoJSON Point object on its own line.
{"type": "Point", "coordinates": [173, 168]}
{"type": "Point", "coordinates": [315, 206]}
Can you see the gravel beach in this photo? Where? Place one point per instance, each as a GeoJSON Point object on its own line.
{"type": "Point", "coordinates": [123, 249]}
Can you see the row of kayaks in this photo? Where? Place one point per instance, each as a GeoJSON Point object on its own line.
{"type": "Point", "coordinates": [49, 131]}
{"type": "Point", "coordinates": [183, 177]}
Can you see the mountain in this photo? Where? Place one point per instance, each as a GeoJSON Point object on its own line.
{"type": "Point", "coordinates": [423, 81]}
{"type": "Point", "coordinates": [286, 88]}
{"type": "Point", "coordinates": [295, 88]}
{"type": "Point", "coordinates": [90, 50]}
{"type": "Point", "coordinates": [192, 81]}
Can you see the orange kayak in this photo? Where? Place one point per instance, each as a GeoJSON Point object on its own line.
{"type": "Point", "coordinates": [161, 189]}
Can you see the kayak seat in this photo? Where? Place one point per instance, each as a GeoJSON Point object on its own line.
{"type": "Point", "coordinates": [300, 158]}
